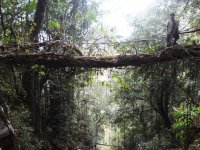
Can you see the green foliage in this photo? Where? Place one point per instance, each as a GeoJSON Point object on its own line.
{"type": "Point", "coordinates": [8, 37]}
{"type": "Point", "coordinates": [73, 112]}
{"type": "Point", "coordinates": [53, 24]}
{"type": "Point", "coordinates": [25, 139]}
{"type": "Point", "coordinates": [31, 5]}
{"type": "Point", "coordinates": [48, 92]}
{"type": "Point", "coordinates": [186, 124]}
{"type": "Point", "coordinates": [40, 69]}
{"type": "Point", "coordinates": [120, 80]}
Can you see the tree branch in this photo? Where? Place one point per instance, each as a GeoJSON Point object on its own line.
{"type": "Point", "coordinates": [66, 60]}
{"type": "Point", "coordinates": [1, 15]}
{"type": "Point", "coordinates": [191, 31]}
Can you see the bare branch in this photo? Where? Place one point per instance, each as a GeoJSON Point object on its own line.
{"type": "Point", "coordinates": [191, 31]}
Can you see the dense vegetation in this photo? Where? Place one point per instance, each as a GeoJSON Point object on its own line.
{"type": "Point", "coordinates": [151, 107]}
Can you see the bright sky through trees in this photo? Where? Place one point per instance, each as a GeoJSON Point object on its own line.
{"type": "Point", "coordinates": [117, 14]}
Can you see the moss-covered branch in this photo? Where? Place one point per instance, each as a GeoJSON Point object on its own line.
{"type": "Point", "coordinates": [50, 59]}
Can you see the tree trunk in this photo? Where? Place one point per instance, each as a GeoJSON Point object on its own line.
{"type": "Point", "coordinates": [60, 114]}
{"type": "Point", "coordinates": [31, 79]}
{"type": "Point", "coordinates": [39, 15]}
{"type": "Point", "coordinates": [31, 85]}
{"type": "Point", "coordinates": [166, 119]}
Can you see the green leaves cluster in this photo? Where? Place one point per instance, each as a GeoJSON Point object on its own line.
{"type": "Point", "coordinates": [186, 123]}
{"type": "Point", "coordinates": [20, 119]}
{"type": "Point", "coordinates": [40, 69]}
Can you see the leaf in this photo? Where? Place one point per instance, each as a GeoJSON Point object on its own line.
{"type": "Point", "coordinates": [8, 31]}
{"type": "Point", "coordinates": [5, 40]}
{"type": "Point", "coordinates": [31, 5]}
{"type": "Point", "coordinates": [53, 23]}
{"type": "Point", "coordinates": [42, 73]}
{"type": "Point", "coordinates": [105, 84]}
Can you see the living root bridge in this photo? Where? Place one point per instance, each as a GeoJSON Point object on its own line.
{"type": "Point", "coordinates": [58, 60]}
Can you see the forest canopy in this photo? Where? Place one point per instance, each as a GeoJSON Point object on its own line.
{"type": "Point", "coordinates": [67, 82]}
